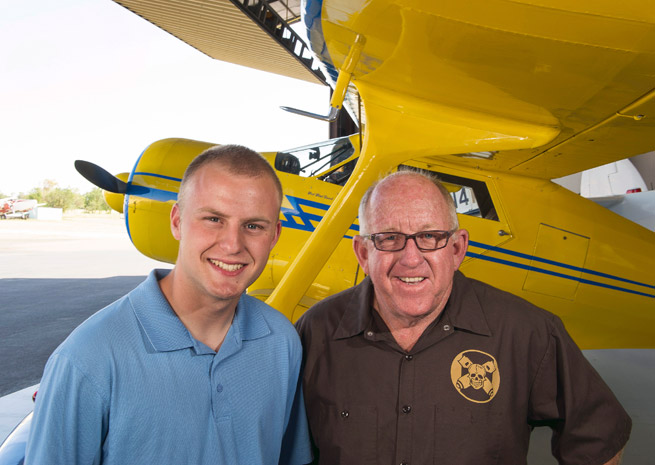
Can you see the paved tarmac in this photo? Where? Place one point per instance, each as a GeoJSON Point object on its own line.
{"type": "Point", "coordinates": [37, 314]}
{"type": "Point", "coordinates": [54, 275]}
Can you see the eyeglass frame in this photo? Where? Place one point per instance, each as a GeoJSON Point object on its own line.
{"type": "Point", "coordinates": [410, 236]}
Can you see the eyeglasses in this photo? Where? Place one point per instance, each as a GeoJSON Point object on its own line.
{"type": "Point", "coordinates": [426, 241]}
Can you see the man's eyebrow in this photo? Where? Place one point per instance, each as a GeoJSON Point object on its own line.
{"type": "Point", "coordinates": [257, 220]}
{"type": "Point", "coordinates": [214, 212]}
{"type": "Point", "coordinates": [210, 210]}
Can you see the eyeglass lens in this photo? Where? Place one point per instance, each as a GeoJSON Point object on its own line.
{"type": "Point", "coordinates": [425, 240]}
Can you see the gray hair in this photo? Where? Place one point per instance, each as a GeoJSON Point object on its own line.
{"type": "Point", "coordinates": [236, 159]}
{"type": "Point", "coordinates": [409, 171]}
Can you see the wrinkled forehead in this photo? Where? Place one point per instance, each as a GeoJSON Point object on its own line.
{"type": "Point", "coordinates": [410, 201]}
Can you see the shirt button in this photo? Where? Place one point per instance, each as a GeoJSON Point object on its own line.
{"type": "Point", "coordinates": [404, 463]}
{"type": "Point", "coordinates": [407, 408]}
{"type": "Point", "coordinates": [409, 357]}
{"type": "Point", "coordinates": [369, 333]}
{"type": "Point", "coordinates": [446, 327]}
{"type": "Point", "coordinates": [219, 388]}
{"type": "Point", "coordinates": [345, 414]}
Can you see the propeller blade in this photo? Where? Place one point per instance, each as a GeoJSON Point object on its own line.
{"type": "Point", "coordinates": [100, 177]}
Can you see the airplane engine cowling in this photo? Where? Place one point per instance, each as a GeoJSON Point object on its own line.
{"type": "Point", "coordinates": [154, 184]}
{"type": "Point", "coordinates": [116, 201]}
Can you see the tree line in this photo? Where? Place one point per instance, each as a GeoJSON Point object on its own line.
{"type": "Point", "coordinates": [51, 195]}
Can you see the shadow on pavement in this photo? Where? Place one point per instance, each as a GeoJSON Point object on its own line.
{"type": "Point", "coordinates": [36, 315]}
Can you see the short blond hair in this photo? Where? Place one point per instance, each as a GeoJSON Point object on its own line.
{"type": "Point", "coordinates": [236, 159]}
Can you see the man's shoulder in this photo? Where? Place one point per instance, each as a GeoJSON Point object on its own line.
{"type": "Point", "coordinates": [120, 314]}
{"type": "Point", "coordinates": [91, 347]}
{"type": "Point", "coordinates": [100, 328]}
{"type": "Point", "coordinates": [325, 316]}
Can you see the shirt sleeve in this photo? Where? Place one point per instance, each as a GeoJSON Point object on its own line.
{"type": "Point", "coordinates": [589, 424]}
{"type": "Point", "coordinates": [70, 418]}
{"type": "Point", "coordinates": [296, 449]}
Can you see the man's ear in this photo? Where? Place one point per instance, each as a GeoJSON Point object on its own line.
{"type": "Point", "coordinates": [175, 221]}
{"type": "Point", "coordinates": [460, 241]}
{"type": "Point", "coordinates": [361, 252]}
{"type": "Point", "coordinates": [278, 231]}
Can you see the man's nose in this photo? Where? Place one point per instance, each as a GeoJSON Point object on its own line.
{"type": "Point", "coordinates": [411, 255]}
{"type": "Point", "coordinates": [230, 239]}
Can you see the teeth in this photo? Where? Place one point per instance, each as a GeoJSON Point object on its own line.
{"type": "Point", "coordinates": [225, 266]}
{"type": "Point", "coordinates": [412, 280]}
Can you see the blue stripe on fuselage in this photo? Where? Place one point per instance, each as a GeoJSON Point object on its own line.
{"type": "Point", "coordinates": [561, 275]}
{"type": "Point", "coordinates": [297, 218]}
{"type": "Point", "coordinates": [296, 212]}
{"type": "Point", "coordinates": [551, 262]}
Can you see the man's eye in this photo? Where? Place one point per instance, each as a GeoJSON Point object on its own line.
{"type": "Point", "coordinates": [213, 219]}
{"type": "Point", "coordinates": [427, 235]}
{"type": "Point", "coordinates": [254, 227]}
{"type": "Point", "coordinates": [389, 238]}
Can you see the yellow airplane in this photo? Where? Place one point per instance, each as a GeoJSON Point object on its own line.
{"type": "Point", "coordinates": [497, 98]}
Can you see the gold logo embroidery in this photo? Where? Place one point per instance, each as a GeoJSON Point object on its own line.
{"type": "Point", "coordinates": [475, 375]}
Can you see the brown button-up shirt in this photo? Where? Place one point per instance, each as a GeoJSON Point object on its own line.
{"type": "Point", "coordinates": [479, 378]}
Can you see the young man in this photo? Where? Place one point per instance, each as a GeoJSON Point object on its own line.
{"type": "Point", "coordinates": [186, 368]}
{"type": "Point", "coordinates": [419, 364]}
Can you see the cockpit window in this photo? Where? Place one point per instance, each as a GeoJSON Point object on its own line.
{"type": "Point", "coordinates": [326, 160]}
{"type": "Point", "coordinates": [471, 197]}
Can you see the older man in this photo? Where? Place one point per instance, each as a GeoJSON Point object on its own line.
{"type": "Point", "coordinates": [419, 364]}
{"type": "Point", "coordinates": [186, 369]}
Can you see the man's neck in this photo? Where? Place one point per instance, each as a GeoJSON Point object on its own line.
{"type": "Point", "coordinates": [207, 320]}
{"type": "Point", "coordinates": [407, 332]}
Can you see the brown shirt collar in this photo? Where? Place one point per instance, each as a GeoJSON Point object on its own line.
{"type": "Point", "coordinates": [463, 310]}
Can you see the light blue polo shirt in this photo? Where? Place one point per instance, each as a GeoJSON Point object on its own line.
{"type": "Point", "coordinates": [131, 386]}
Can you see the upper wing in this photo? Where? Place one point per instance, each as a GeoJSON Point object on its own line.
{"type": "Point", "coordinates": [223, 30]}
{"type": "Point", "coordinates": [569, 83]}
{"type": "Point", "coordinates": [552, 87]}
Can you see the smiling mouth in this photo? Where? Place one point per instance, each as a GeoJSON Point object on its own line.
{"type": "Point", "coordinates": [227, 266]}
{"type": "Point", "coordinates": [413, 280]}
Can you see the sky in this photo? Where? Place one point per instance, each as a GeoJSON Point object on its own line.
{"type": "Point", "coordinates": [88, 79]}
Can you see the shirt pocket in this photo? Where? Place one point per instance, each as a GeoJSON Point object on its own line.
{"type": "Point", "coordinates": [467, 435]}
{"type": "Point", "coordinates": [345, 435]}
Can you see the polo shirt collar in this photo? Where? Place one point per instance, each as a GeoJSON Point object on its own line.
{"type": "Point", "coordinates": [164, 330]}
{"type": "Point", "coordinates": [161, 326]}
{"type": "Point", "coordinates": [249, 323]}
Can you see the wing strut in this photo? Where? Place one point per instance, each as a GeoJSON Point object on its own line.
{"type": "Point", "coordinates": [341, 87]}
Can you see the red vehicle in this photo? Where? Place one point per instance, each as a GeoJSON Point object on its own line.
{"type": "Point", "coordinates": [16, 208]}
